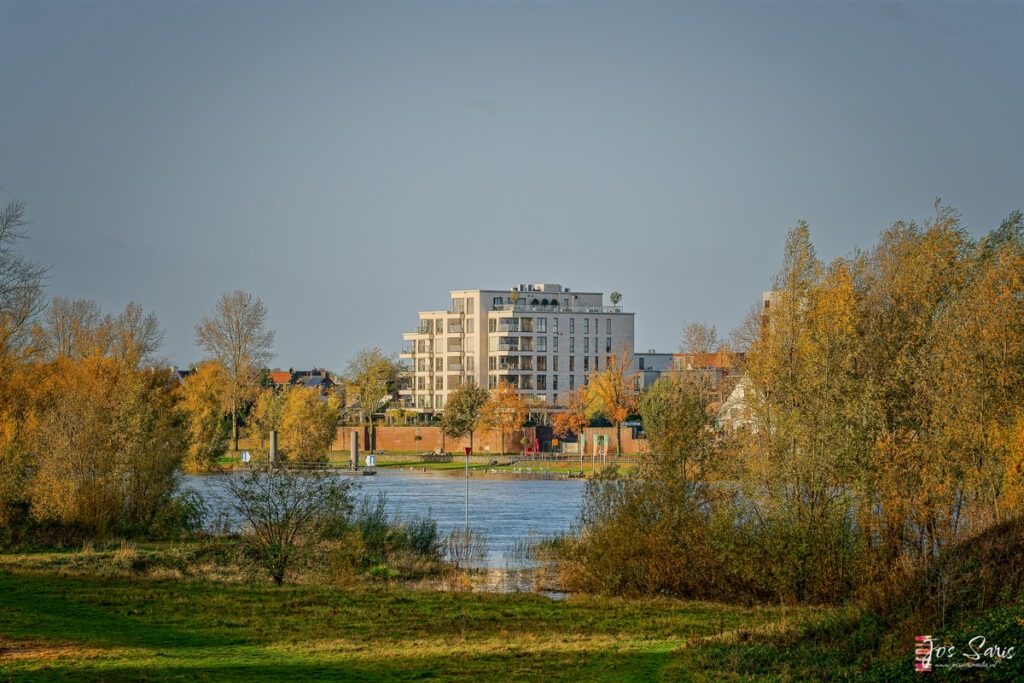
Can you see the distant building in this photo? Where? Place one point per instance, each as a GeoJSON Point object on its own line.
{"type": "Point", "coordinates": [544, 339]}
{"type": "Point", "coordinates": [650, 366]}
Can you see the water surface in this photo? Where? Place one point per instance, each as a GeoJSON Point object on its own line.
{"type": "Point", "coordinates": [506, 508]}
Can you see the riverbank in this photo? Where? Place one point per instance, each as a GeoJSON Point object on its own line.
{"type": "Point", "coordinates": [65, 619]}
{"type": "Point", "coordinates": [509, 464]}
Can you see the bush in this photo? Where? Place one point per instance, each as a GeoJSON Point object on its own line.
{"type": "Point", "coordinates": [286, 513]}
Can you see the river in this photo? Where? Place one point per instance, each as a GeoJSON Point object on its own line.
{"type": "Point", "coordinates": [506, 508]}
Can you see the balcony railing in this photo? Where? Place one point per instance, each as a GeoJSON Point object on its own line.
{"type": "Point", "coordinates": [540, 308]}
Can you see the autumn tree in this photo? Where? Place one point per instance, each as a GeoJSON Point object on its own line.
{"type": "Point", "coordinates": [204, 402]}
{"type": "Point", "coordinates": [463, 412]}
{"type": "Point", "coordinates": [267, 412]}
{"type": "Point", "coordinates": [21, 301]}
{"type": "Point", "coordinates": [370, 376]}
{"type": "Point", "coordinates": [613, 393]}
{"type": "Point", "coordinates": [309, 424]}
{"type": "Point", "coordinates": [236, 336]}
{"type": "Point", "coordinates": [505, 410]}
{"type": "Point", "coordinates": [106, 436]}
{"type": "Point", "coordinates": [650, 530]}
{"type": "Point", "coordinates": [573, 420]}
{"type": "Point", "coordinates": [77, 328]}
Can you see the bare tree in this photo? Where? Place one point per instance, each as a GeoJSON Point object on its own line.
{"type": "Point", "coordinates": [135, 337]}
{"type": "Point", "coordinates": [700, 338]}
{"type": "Point", "coordinates": [236, 336]}
{"type": "Point", "coordinates": [21, 283]}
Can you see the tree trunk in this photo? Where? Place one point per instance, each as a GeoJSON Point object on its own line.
{"type": "Point", "coordinates": [618, 438]}
{"type": "Point", "coordinates": [234, 423]}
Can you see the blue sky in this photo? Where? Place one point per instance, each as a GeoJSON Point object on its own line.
{"type": "Point", "coordinates": [350, 163]}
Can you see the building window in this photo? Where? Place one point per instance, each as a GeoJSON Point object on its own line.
{"type": "Point", "coordinates": [572, 363]}
{"type": "Point", "coordinates": [586, 326]}
{"type": "Point", "coordinates": [542, 343]}
{"type": "Point", "coordinates": [496, 301]}
{"type": "Point", "coordinates": [554, 343]}
{"type": "Point", "coordinates": [526, 343]}
{"type": "Point", "coordinates": [554, 325]}
{"type": "Point", "coordinates": [572, 382]}
{"type": "Point", "coordinates": [572, 344]}
{"type": "Point", "coordinates": [640, 362]}
{"type": "Point", "coordinates": [492, 381]}
{"type": "Point", "coordinates": [439, 383]}
{"type": "Point", "coordinates": [526, 362]}
{"type": "Point", "coordinates": [586, 345]}
{"type": "Point", "coordinates": [586, 363]}
{"type": "Point", "coordinates": [492, 362]}
{"type": "Point", "coordinates": [554, 361]}
{"type": "Point", "coordinates": [542, 363]}
{"type": "Point", "coordinates": [607, 344]}
{"type": "Point", "coordinates": [572, 325]}
{"type": "Point", "coordinates": [542, 325]}
{"type": "Point", "coordinates": [542, 382]}
{"type": "Point", "coordinates": [470, 328]}
{"type": "Point", "coordinates": [597, 366]}
{"type": "Point", "coordinates": [607, 325]}
{"type": "Point", "coordinates": [458, 305]}
{"type": "Point", "coordinates": [439, 364]}
{"type": "Point", "coordinates": [526, 381]}
{"type": "Point", "coordinates": [554, 382]}
{"type": "Point", "coordinates": [526, 324]}
{"type": "Point", "coordinates": [470, 363]}
{"type": "Point", "coordinates": [470, 305]}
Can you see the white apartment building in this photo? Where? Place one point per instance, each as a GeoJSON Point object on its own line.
{"type": "Point", "coordinates": [544, 339]}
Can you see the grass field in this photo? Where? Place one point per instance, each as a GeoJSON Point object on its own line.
{"type": "Point", "coordinates": [105, 617]}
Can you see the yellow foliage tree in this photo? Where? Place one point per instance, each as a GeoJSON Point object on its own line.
{"type": "Point", "coordinates": [204, 401]}
{"type": "Point", "coordinates": [309, 424]}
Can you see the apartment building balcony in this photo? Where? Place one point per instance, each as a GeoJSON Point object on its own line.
{"type": "Point", "coordinates": [540, 308]}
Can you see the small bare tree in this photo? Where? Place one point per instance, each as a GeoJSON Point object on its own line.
{"type": "Point", "coordinates": [21, 284]}
{"type": "Point", "coordinates": [285, 512]}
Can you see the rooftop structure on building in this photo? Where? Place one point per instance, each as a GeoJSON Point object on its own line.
{"type": "Point", "coordinates": [543, 339]}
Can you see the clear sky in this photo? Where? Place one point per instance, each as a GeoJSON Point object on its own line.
{"type": "Point", "coordinates": [350, 163]}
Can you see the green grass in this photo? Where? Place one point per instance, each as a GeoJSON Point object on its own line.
{"type": "Point", "coordinates": [65, 617]}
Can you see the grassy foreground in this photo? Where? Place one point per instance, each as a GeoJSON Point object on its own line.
{"type": "Point", "coordinates": [59, 621]}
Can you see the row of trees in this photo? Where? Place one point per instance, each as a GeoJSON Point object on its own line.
{"type": "Point", "coordinates": [886, 393]}
{"type": "Point", "coordinates": [471, 407]}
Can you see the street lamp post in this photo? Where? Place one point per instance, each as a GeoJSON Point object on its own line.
{"type": "Point", "coordinates": [469, 450]}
